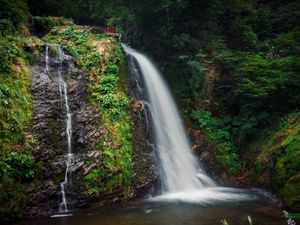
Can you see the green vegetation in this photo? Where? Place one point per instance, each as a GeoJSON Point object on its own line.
{"type": "Point", "coordinates": [215, 130]}
{"type": "Point", "coordinates": [116, 143]}
{"type": "Point", "coordinates": [279, 158]}
{"type": "Point", "coordinates": [15, 98]}
{"type": "Point", "coordinates": [12, 14]}
{"type": "Point", "coordinates": [16, 173]}
{"type": "Point", "coordinates": [43, 25]}
{"type": "Point", "coordinates": [17, 169]}
{"type": "Point", "coordinates": [80, 43]}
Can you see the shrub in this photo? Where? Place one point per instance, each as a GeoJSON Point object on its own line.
{"type": "Point", "coordinates": [216, 133]}
{"type": "Point", "coordinates": [6, 27]}
{"type": "Point", "coordinates": [14, 11]}
{"type": "Point", "coordinates": [16, 166]}
{"type": "Point", "coordinates": [107, 84]}
{"type": "Point", "coordinates": [8, 52]}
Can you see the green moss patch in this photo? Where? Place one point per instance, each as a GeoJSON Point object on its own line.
{"type": "Point", "coordinates": [279, 157]}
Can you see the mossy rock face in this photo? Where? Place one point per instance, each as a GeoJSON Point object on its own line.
{"type": "Point", "coordinates": [107, 170]}
{"type": "Point", "coordinates": [290, 193]}
{"type": "Point", "coordinates": [278, 163]}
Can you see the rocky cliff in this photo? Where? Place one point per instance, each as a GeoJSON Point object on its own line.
{"type": "Point", "coordinates": [111, 160]}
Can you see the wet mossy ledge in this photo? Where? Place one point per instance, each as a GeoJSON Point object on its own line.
{"type": "Point", "coordinates": [276, 157]}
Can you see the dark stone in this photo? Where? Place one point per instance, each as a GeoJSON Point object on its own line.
{"type": "Point", "coordinates": [48, 128]}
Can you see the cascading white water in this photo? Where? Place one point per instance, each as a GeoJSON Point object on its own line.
{"type": "Point", "coordinates": [181, 176]}
{"type": "Point", "coordinates": [178, 165]}
{"type": "Point", "coordinates": [63, 206]}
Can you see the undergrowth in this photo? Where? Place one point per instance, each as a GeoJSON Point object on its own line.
{"type": "Point", "coordinates": [216, 133]}
{"type": "Point", "coordinates": [116, 143]}
{"type": "Point", "coordinates": [17, 169]}
{"type": "Point", "coordinates": [279, 157]}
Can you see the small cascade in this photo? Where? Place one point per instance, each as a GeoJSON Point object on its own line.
{"type": "Point", "coordinates": [182, 178]}
{"type": "Point", "coordinates": [47, 58]}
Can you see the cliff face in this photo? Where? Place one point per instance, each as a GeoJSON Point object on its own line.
{"type": "Point", "coordinates": [49, 129]}
{"type": "Point", "coordinates": [111, 159]}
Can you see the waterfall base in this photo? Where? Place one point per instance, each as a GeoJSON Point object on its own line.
{"type": "Point", "coordinates": [206, 196]}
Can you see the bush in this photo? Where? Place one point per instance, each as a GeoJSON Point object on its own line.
{"type": "Point", "coordinates": [216, 133]}
{"type": "Point", "coordinates": [8, 52]}
{"type": "Point", "coordinates": [78, 37]}
{"type": "Point", "coordinates": [16, 171]}
{"type": "Point", "coordinates": [16, 166]}
{"type": "Point", "coordinates": [6, 27]}
{"type": "Point", "coordinates": [107, 84]}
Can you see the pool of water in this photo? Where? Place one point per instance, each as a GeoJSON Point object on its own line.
{"type": "Point", "coordinates": [263, 209]}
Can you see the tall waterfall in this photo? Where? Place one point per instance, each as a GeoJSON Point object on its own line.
{"type": "Point", "coordinates": [181, 176]}
{"type": "Point", "coordinates": [179, 169]}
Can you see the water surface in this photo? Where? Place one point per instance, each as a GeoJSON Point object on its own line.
{"type": "Point", "coordinates": [263, 210]}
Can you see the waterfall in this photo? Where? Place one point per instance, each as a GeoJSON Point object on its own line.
{"type": "Point", "coordinates": [181, 176]}
{"type": "Point", "coordinates": [179, 168]}
{"type": "Point", "coordinates": [63, 206]}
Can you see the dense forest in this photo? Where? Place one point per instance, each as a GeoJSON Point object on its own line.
{"type": "Point", "coordinates": [233, 66]}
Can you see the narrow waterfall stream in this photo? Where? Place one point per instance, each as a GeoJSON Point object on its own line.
{"type": "Point", "coordinates": [182, 177]}
{"type": "Point", "coordinates": [63, 91]}
{"type": "Point", "coordinates": [63, 206]}
{"type": "Point", "coordinates": [47, 58]}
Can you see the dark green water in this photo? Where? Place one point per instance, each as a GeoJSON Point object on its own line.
{"type": "Point", "coordinates": [263, 211]}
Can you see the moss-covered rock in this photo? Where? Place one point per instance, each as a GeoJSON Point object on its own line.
{"type": "Point", "coordinates": [278, 163]}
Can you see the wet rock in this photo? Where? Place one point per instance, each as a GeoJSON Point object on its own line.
{"type": "Point", "coordinates": [144, 170]}
{"type": "Point", "coordinates": [49, 129]}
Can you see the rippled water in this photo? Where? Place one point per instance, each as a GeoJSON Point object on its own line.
{"type": "Point", "coordinates": [263, 211]}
